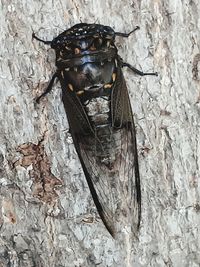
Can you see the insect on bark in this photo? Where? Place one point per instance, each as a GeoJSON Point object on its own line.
{"type": "Point", "coordinates": [100, 118]}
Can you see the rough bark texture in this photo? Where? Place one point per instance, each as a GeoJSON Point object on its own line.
{"type": "Point", "coordinates": [47, 216]}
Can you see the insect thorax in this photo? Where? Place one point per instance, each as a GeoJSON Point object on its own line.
{"type": "Point", "coordinates": [87, 60]}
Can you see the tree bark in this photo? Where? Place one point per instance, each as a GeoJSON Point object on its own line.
{"type": "Point", "coordinates": [47, 215]}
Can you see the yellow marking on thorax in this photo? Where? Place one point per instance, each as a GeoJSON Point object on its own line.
{"type": "Point", "coordinates": [80, 92]}
{"type": "Point", "coordinates": [70, 86]}
{"type": "Point", "coordinates": [114, 76]}
{"type": "Point", "coordinates": [108, 43]}
{"type": "Point", "coordinates": [77, 51]}
{"type": "Point", "coordinates": [62, 74]}
{"type": "Point", "coordinates": [107, 85]}
{"type": "Point", "coordinates": [93, 48]}
{"type": "Point", "coordinates": [67, 48]}
{"type": "Point", "coordinates": [75, 69]}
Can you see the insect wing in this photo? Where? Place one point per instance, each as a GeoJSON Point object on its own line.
{"type": "Point", "coordinates": [122, 117]}
{"type": "Point", "coordinates": [87, 143]}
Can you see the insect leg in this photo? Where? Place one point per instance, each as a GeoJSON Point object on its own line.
{"type": "Point", "coordinates": [45, 42]}
{"type": "Point", "coordinates": [139, 72]}
{"type": "Point", "coordinates": [126, 34]}
{"type": "Point", "coordinates": [49, 87]}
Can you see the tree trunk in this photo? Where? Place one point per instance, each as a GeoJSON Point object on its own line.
{"type": "Point", "coordinates": [47, 215]}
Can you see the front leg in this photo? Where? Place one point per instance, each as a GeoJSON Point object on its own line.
{"type": "Point", "coordinates": [122, 34]}
{"type": "Point", "coordinates": [40, 40]}
{"type": "Point", "coordinates": [49, 87]}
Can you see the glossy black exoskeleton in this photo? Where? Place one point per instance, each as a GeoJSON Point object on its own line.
{"type": "Point", "coordinates": [98, 109]}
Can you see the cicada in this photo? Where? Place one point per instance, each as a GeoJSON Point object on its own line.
{"type": "Point", "coordinates": [98, 109]}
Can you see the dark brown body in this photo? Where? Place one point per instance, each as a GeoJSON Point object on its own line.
{"type": "Point", "coordinates": [98, 109]}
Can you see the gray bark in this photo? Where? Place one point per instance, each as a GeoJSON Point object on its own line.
{"type": "Point", "coordinates": [47, 215]}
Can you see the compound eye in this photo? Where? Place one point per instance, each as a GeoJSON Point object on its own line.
{"type": "Point", "coordinates": [77, 51]}
{"type": "Point", "coordinates": [107, 29]}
